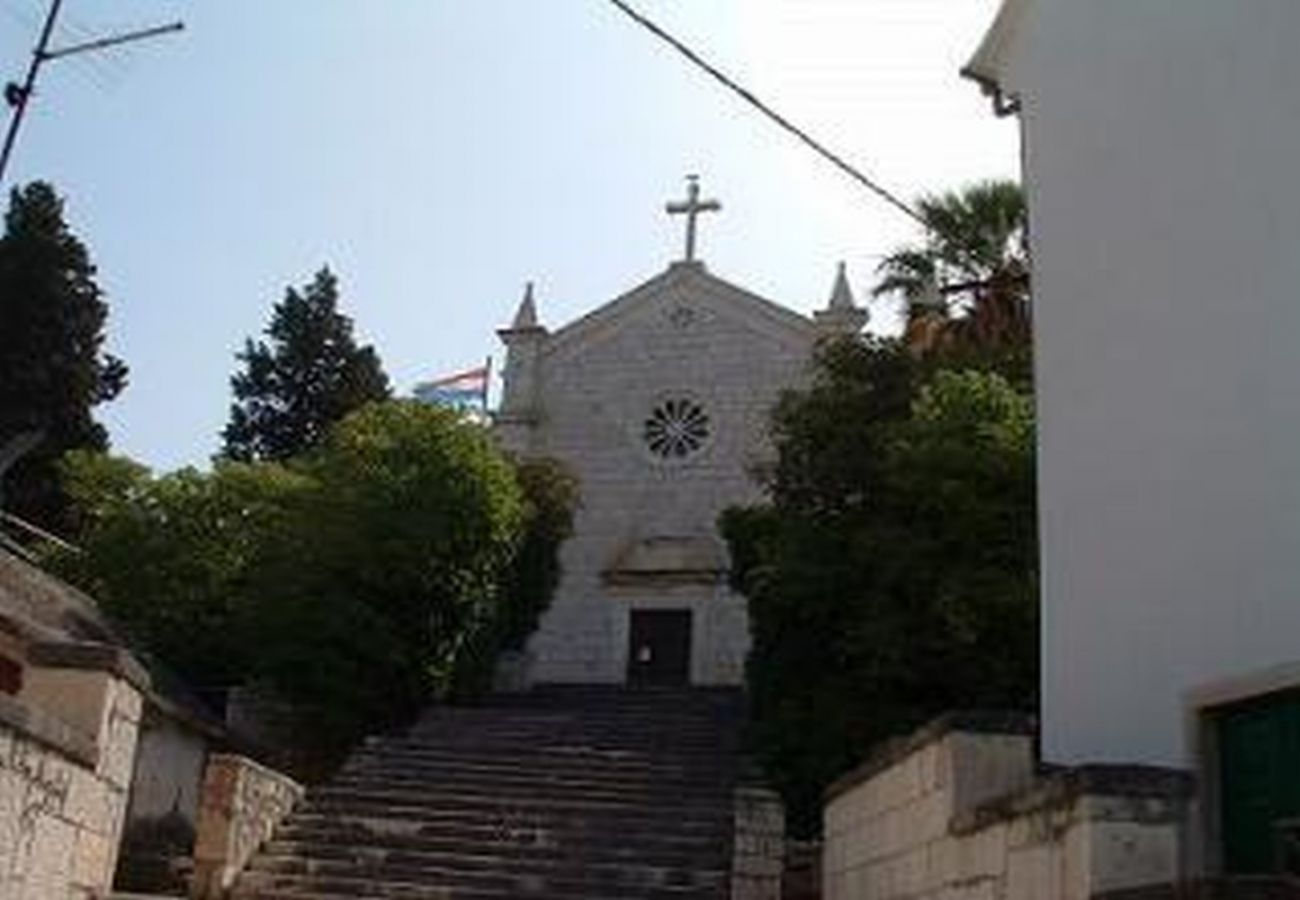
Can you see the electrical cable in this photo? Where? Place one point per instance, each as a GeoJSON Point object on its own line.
{"type": "Point", "coordinates": [748, 96]}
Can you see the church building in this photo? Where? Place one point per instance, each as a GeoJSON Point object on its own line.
{"type": "Point", "coordinates": [658, 403]}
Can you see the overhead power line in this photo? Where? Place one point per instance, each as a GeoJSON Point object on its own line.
{"type": "Point", "coordinates": [748, 96]}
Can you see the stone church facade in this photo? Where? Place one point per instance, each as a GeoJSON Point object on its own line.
{"type": "Point", "coordinates": [658, 403]}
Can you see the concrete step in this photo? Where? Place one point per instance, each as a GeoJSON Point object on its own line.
{"type": "Point", "coordinates": [571, 865]}
{"type": "Point", "coordinates": [341, 798]}
{"type": "Point", "coordinates": [582, 794]}
{"type": "Point", "coordinates": [716, 760]}
{"type": "Point", "coordinates": [430, 883]}
{"type": "Point", "coordinates": [531, 787]}
{"type": "Point", "coordinates": [596, 770]}
{"type": "Point", "coordinates": [523, 843]}
{"type": "Point", "coordinates": [490, 824]}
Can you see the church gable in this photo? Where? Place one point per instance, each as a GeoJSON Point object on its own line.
{"type": "Point", "coordinates": [683, 298]}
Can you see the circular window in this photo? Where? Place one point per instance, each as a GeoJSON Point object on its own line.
{"type": "Point", "coordinates": [676, 428]}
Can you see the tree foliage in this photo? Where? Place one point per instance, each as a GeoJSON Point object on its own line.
{"type": "Point", "coordinates": [892, 574]}
{"type": "Point", "coordinates": [966, 285]}
{"type": "Point", "coordinates": [388, 566]}
{"type": "Point", "coordinates": [53, 370]}
{"type": "Point", "coordinates": [308, 376]}
{"type": "Point", "coordinates": [175, 557]}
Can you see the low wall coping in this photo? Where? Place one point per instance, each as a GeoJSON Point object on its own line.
{"type": "Point", "coordinates": [895, 750]}
{"type": "Point", "coordinates": [1060, 786]}
{"type": "Point", "coordinates": [238, 760]}
{"type": "Point", "coordinates": [48, 731]}
{"type": "Point", "coordinates": [91, 656]}
{"type": "Point", "coordinates": [1239, 887]}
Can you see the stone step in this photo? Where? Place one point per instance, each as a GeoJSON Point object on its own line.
{"type": "Point", "coordinates": [433, 883]}
{"type": "Point", "coordinates": [666, 742]}
{"type": "Point", "coordinates": [490, 824]}
{"type": "Point", "coordinates": [631, 721]}
{"type": "Point", "coordinates": [292, 890]}
{"type": "Point", "coordinates": [538, 786]}
{"type": "Point", "coordinates": [563, 864]}
{"type": "Point", "coordinates": [336, 799]}
{"type": "Point", "coordinates": [573, 793]}
{"type": "Point", "coordinates": [662, 848]}
{"type": "Point", "coordinates": [560, 755]}
{"type": "Point", "coordinates": [454, 765]}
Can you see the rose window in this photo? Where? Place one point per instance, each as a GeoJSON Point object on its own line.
{"type": "Point", "coordinates": [676, 428]}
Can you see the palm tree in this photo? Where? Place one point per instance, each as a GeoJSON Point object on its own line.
{"type": "Point", "coordinates": [968, 283]}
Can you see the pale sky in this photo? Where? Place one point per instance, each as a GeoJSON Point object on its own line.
{"type": "Point", "coordinates": [437, 154]}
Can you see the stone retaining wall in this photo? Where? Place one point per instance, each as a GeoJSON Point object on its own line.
{"type": "Point", "coordinates": [65, 769]}
{"type": "Point", "coordinates": [241, 806]}
{"type": "Point", "coordinates": [959, 811]}
{"type": "Point", "coordinates": [758, 852]}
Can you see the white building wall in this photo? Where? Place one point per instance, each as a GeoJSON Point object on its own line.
{"type": "Point", "coordinates": [1162, 140]}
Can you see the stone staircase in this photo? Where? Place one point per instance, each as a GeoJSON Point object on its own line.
{"type": "Point", "coordinates": [564, 792]}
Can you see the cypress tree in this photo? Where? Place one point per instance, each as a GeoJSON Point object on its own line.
{"type": "Point", "coordinates": [52, 366]}
{"type": "Point", "coordinates": [307, 376]}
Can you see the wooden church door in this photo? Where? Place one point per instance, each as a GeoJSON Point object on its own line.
{"type": "Point", "coordinates": [659, 648]}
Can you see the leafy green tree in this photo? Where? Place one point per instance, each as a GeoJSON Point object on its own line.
{"type": "Point", "coordinates": [976, 252]}
{"type": "Point", "coordinates": [53, 370]}
{"type": "Point", "coordinates": [550, 497]}
{"type": "Point", "coordinates": [891, 576]}
{"type": "Point", "coordinates": [309, 376]}
{"type": "Point", "coordinates": [389, 565]}
{"type": "Point", "coordinates": [413, 529]}
{"type": "Point", "coordinates": [174, 558]}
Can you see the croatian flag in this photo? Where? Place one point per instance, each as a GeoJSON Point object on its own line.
{"type": "Point", "coordinates": [465, 390]}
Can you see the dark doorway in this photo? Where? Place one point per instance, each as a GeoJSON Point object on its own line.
{"type": "Point", "coordinates": [659, 649]}
{"type": "Point", "coordinates": [1259, 782]}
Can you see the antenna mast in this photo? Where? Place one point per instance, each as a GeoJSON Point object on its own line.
{"type": "Point", "coordinates": [19, 95]}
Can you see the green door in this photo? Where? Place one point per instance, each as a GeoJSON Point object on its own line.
{"type": "Point", "coordinates": [1259, 778]}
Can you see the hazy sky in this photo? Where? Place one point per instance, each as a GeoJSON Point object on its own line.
{"type": "Point", "coordinates": [439, 153]}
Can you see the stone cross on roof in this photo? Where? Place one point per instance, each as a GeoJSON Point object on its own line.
{"type": "Point", "coordinates": [692, 207]}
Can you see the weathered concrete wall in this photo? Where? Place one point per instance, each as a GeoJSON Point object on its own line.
{"type": "Point", "coordinates": [169, 767]}
{"type": "Point", "coordinates": [958, 812]}
{"type": "Point", "coordinates": [64, 782]}
{"type": "Point", "coordinates": [242, 803]}
{"type": "Point", "coordinates": [158, 839]}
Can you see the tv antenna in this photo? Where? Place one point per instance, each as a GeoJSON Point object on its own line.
{"type": "Point", "coordinates": [19, 95]}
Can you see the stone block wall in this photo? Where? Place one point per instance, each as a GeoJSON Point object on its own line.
{"type": "Point", "coordinates": [758, 852]}
{"type": "Point", "coordinates": [241, 806]}
{"type": "Point", "coordinates": [597, 381]}
{"type": "Point", "coordinates": [959, 811]}
{"type": "Point", "coordinates": [65, 771]}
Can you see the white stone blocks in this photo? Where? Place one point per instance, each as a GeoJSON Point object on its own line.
{"type": "Point", "coordinates": [60, 810]}
{"type": "Point", "coordinates": [1126, 854]}
{"type": "Point", "coordinates": [984, 766]}
{"type": "Point", "coordinates": [242, 804]}
{"type": "Point", "coordinates": [923, 822]}
{"type": "Point", "coordinates": [758, 855]}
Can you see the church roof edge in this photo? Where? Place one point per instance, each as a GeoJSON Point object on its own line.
{"type": "Point", "coordinates": [677, 273]}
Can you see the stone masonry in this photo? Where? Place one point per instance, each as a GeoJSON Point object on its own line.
{"type": "Point", "coordinates": [646, 532]}
{"type": "Point", "coordinates": [64, 779]}
{"type": "Point", "coordinates": [958, 811]}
